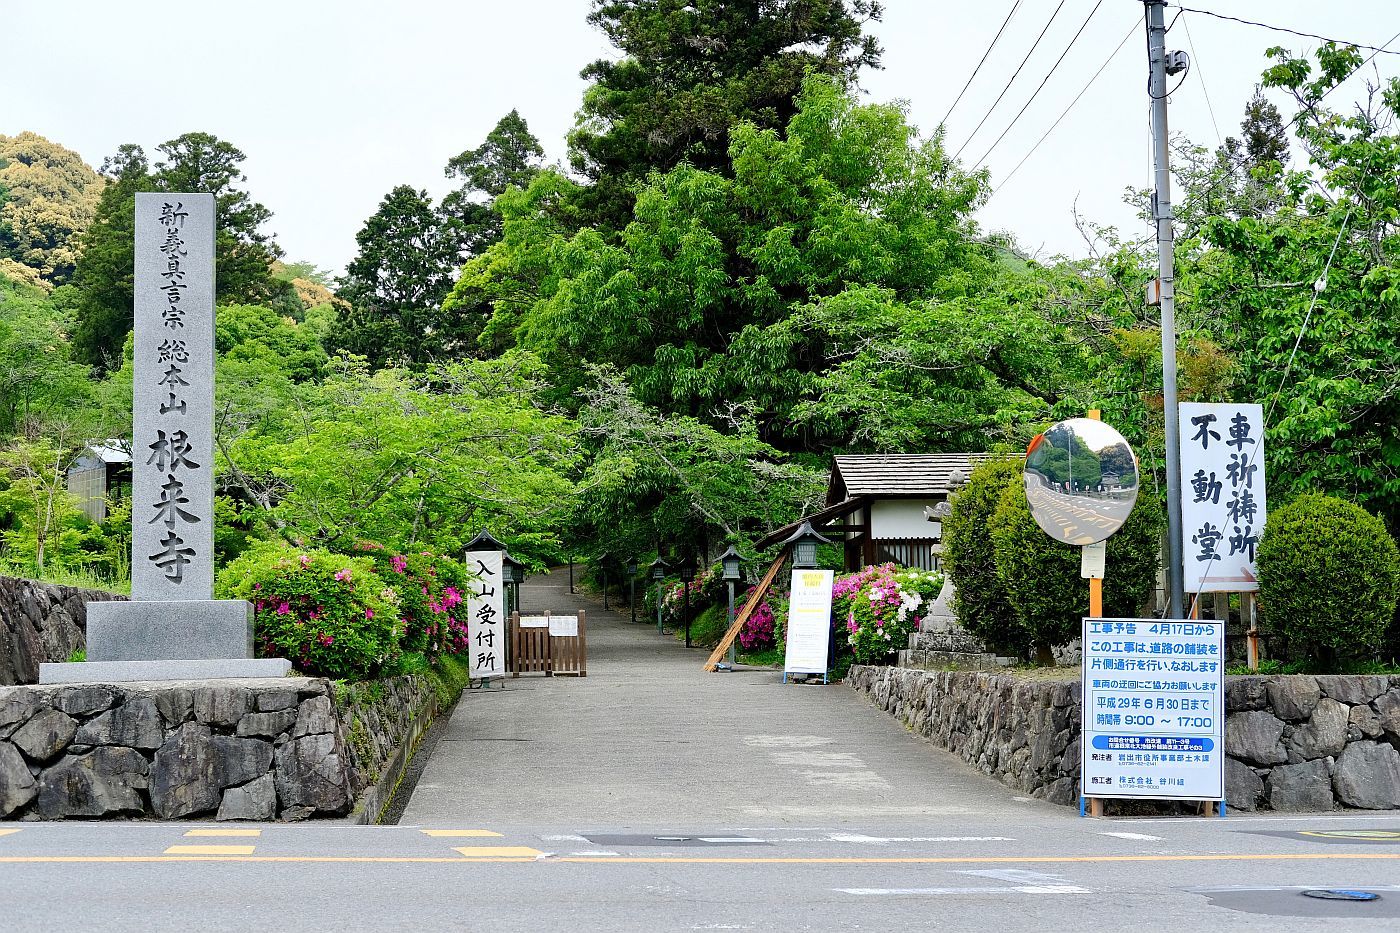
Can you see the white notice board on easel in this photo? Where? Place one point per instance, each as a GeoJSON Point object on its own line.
{"type": "Point", "coordinates": [809, 623]}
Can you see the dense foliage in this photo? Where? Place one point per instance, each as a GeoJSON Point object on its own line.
{"type": "Point", "coordinates": [1329, 577]}
{"type": "Point", "coordinates": [874, 610]}
{"type": "Point", "coordinates": [981, 602]}
{"type": "Point", "coordinates": [330, 615]}
{"type": "Point", "coordinates": [1040, 575]}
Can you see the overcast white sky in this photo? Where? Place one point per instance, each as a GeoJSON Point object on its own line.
{"type": "Point", "coordinates": [337, 101]}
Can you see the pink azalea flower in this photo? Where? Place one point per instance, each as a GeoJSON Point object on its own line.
{"type": "Point", "coordinates": [369, 613]}
{"type": "Point", "coordinates": [343, 574]}
{"type": "Point", "coordinates": [399, 563]}
{"type": "Point", "coordinates": [283, 609]}
{"type": "Point", "coordinates": [305, 560]}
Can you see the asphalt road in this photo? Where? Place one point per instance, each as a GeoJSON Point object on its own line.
{"type": "Point", "coordinates": [1076, 519]}
{"type": "Point", "coordinates": [650, 796]}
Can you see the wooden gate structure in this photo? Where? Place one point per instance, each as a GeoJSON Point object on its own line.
{"type": "Point", "coordinates": [549, 644]}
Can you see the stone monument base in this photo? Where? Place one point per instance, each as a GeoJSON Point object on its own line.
{"type": "Point", "coordinates": [170, 630]}
{"type": "Point", "coordinates": [112, 672]}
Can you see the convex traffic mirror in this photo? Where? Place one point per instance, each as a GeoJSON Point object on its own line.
{"type": "Point", "coordinates": [1081, 480]}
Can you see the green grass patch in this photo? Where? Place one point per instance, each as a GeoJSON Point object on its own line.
{"type": "Point", "coordinates": [707, 627]}
{"type": "Point", "coordinates": [767, 657]}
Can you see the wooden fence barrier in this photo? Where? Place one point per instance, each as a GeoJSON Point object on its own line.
{"type": "Point", "coordinates": [549, 644]}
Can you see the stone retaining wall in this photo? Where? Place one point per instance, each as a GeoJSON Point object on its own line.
{"type": "Point", "coordinates": [285, 749]}
{"type": "Point", "coordinates": [41, 622]}
{"type": "Point", "coordinates": [1293, 742]}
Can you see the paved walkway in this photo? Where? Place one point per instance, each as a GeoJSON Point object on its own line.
{"type": "Point", "coordinates": [648, 739]}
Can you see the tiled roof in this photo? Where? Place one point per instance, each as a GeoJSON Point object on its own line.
{"type": "Point", "coordinates": [878, 475]}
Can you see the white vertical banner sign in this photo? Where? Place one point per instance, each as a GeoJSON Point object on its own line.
{"type": "Point", "coordinates": [486, 610]}
{"type": "Point", "coordinates": [809, 622]}
{"type": "Point", "coordinates": [173, 398]}
{"type": "Point", "coordinates": [1222, 495]}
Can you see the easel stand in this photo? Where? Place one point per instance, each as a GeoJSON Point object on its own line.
{"type": "Point", "coordinates": [825, 676]}
{"type": "Point", "coordinates": [1093, 806]}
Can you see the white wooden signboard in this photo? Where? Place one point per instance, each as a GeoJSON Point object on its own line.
{"type": "Point", "coordinates": [809, 622]}
{"type": "Point", "coordinates": [1222, 495]}
{"type": "Point", "coordinates": [486, 612]}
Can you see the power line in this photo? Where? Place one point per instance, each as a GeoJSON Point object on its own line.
{"type": "Point", "coordinates": [1204, 89]}
{"type": "Point", "coordinates": [1292, 32]}
{"type": "Point", "coordinates": [1013, 79]}
{"type": "Point", "coordinates": [995, 38]}
{"type": "Point", "coordinates": [1041, 87]}
{"type": "Point", "coordinates": [1365, 63]}
{"type": "Point", "coordinates": [1111, 56]}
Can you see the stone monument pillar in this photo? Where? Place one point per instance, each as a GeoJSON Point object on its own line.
{"type": "Point", "coordinates": [173, 628]}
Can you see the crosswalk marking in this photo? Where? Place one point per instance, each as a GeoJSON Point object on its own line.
{"type": "Point", "coordinates": [461, 833]}
{"type": "Point", "coordinates": [493, 852]}
{"type": "Point", "coordinates": [209, 850]}
{"type": "Point", "coordinates": [224, 832]}
{"type": "Point", "coordinates": [1144, 837]}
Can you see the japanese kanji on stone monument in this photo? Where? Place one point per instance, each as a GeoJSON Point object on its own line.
{"type": "Point", "coordinates": [173, 628]}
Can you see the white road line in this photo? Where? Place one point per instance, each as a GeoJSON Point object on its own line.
{"type": "Point", "coordinates": [1018, 889]}
{"type": "Point", "coordinates": [1019, 875]}
{"type": "Point", "coordinates": [593, 852]}
{"type": "Point", "coordinates": [1235, 819]}
{"type": "Point", "coordinates": [1138, 836]}
{"type": "Point", "coordinates": [857, 837]}
{"type": "Point", "coordinates": [727, 839]}
{"type": "Point", "coordinates": [565, 838]}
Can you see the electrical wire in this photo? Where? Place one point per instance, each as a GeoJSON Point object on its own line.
{"type": "Point", "coordinates": [1058, 61]}
{"type": "Point", "coordinates": [1364, 64]}
{"type": "Point", "coordinates": [995, 38]}
{"type": "Point", "coordinates": [1058, 120]}
{"type": "Point", "coordinates": [1219, 140]}
{"type": "Point", "coordinates": [1292, 32]}
{"type": "Point", "coordinates": [1014, 75]}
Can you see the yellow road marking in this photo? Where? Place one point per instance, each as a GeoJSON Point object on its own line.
{"type": "Point", "coordinates": [224, 832]}
{"type": "Point", "coordinates": [209, 850]}
{"type": "Point", "coordinates": [7, 832]}
{"type": "Point", "coordinates": [497, 851]}
{"type": "Point", "coordinates": [736, 860]}
{"type": "Point", "coordinates": [459, 833]}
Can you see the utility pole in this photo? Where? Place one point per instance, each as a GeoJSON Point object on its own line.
{"type": "Point", "coordinates": [1161, 64]}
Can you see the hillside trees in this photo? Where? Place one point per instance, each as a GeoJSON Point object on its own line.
{"type": "Point", "coordinates": [243, 251]}
{"type": "Point", "coordinates": [690, 73]}
{"type": "Point", "coordinates": [48, 197]}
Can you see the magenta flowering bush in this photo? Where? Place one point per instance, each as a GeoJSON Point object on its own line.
{"type": "Point", "coordinates": [876, 608]}
{"type": "Point", "coordinates": [758, 631]}
{"type": "Point", "coordinates": [330, 615]}
{"type": "Point", "coordinates": [707, 589]}
{"type": "Point", "coordinates": [432, 591]}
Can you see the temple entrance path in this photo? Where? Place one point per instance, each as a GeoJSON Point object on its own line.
{"type": "Point", "coordinates": [648, 739]}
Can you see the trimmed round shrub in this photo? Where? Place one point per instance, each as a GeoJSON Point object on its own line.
{"type": "Point", "coordinates": [1329, 577]}
{"type": "Point", "coordinates": [1041, 575]}
{"type": "Point", "coordinates": [980, 602]}
{"type": "Point", "coordinates": [432, 591]}
{"type": "Point", "coordinates": [330, 615]}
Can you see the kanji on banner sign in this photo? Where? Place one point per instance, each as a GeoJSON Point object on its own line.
{"type": "Point", "coordinates": [486, 611]}
{"type": "Point", "coordinates": [1222, 495]}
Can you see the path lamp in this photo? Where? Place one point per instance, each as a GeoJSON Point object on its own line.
{"type": "Point", "coordinates": [632, 588]}
{"type": "Point", "coordinates": [603, 563]}
{"type": "Point", "coordinates": [687, 575]}
{"type": "Point", "coordinates": [804, 543]}
{"type": "Point", "coordinates": [513, 572]}
{"type": "Point", "coordinates": [732, 563]}
{"type": "Point", "coordinates": [658, 576]}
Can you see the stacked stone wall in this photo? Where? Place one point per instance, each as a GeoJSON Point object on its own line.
{"type": "Point", "coordinates": [1293, 742]}
{"type": "Point", "coordinates": [41, 622]}
{"type": "Point", "coordinates": [284, 749]}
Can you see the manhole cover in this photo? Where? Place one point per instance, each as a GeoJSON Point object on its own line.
{"type": "Point", "coordinates": [1339, 894]}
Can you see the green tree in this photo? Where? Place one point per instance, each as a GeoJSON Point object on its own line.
{"type": "Point", "coordinates": [509, 157]}
{"type": "Point", "coordinates": [396, 284]}
{"type": "Point", "coordinates": [692, 71]}
{"type": "Point", "coordinates": [970, 561]}
{"type": "Point", "coordinates": [48, 196]}
{"type": "Point", "coordinates": [243, 252]}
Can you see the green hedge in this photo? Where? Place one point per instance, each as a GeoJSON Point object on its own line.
{"type": "Point", "coordinates": [1041, 577]}
{"type": "Point", "coordinates": [1329, 577]}
{"type": "Point", "coordinates": [968, 559]}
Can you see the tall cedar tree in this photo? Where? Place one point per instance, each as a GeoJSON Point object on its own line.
{"type": "Point", "coordinates": [395, 286]}
{"type": "Point", "coordinates": [243, 253]}
{"type": "Point", "coordinates": [510, 156]}
{"type": "Point", "coordinates": [691, 70]}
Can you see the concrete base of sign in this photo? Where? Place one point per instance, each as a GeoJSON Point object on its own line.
{"type": "Point", "coordinates": [155, 630]}
{"type": "Point", "coordinates": [112, 672]}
